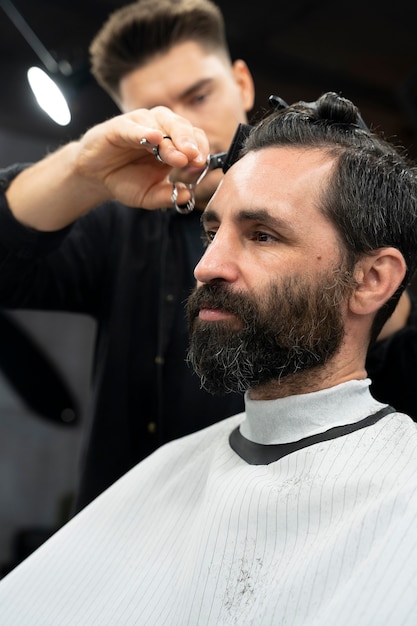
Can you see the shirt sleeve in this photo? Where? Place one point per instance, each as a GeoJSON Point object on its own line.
{"type": "Point", "coordinates": [48, 270]}
{"type": "Point", "coordinates": [17, 239]}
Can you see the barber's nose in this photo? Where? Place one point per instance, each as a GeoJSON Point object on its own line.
{"type": "Point", "coordinates": [219, 262]}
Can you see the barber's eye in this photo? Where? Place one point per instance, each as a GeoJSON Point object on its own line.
{"type": "Point", "coordinates": [200, 97]}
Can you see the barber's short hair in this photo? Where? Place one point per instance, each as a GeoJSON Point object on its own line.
{"type": "Point", "coordinates": [137, 32]}
{"type": "Point", "coordinates": [371, 197]}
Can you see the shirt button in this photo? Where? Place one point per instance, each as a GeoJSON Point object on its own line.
{"type": "Point", "coordinates": [151, 428]}
{"type": "Point", "coordinates": [159, 360]}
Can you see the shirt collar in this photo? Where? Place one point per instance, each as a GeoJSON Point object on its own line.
{"type": "Point", "coordinates": [296, 417]}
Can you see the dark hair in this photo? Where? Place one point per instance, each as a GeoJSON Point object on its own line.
{"type": "Point", "coordinates": [135, 33]}
{"type": "Point", "coordinates": [371, 197]}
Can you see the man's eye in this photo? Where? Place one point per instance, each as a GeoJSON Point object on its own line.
{"type": "Point", "coordinates": [263, 237]}
{"type": "Point", "coordinates": [208, 237]}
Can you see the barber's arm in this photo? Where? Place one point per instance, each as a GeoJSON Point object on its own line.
{"type": "Point", "coordinates": [108, 162]}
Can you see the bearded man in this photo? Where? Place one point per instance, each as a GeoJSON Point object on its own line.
{"type": "Point", "coordinates": [302, 509]}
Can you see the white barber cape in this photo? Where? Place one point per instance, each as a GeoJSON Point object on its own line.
{"type": "Point", "coordinates": [318, 532]}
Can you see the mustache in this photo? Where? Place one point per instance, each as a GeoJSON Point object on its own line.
{"type": "Point", "coordinates": [217, 296]}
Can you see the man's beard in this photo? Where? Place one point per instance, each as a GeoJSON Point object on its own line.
{"type": "Point", "coordinates": [296, 326]}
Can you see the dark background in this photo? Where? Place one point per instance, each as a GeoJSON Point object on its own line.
{"type": "Point", "coordinates": [367, 51]}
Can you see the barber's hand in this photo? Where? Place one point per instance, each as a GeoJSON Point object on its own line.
{"type": "Point", "coordinates": [112, 156]}
{"type": "Point", "coordinates": [108, 162]}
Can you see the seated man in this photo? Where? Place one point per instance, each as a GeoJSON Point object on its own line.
{"type": "Point", "coordinates": [301, 510]}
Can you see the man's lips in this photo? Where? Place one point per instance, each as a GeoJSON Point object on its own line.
{"type": "Point", "coordinates": [214, 315]}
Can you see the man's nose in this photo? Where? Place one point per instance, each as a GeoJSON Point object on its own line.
{"type": "Point", "coordinates": [219, 262]}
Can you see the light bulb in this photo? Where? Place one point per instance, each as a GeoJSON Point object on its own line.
{"type": "Point", "coordinates": [49, 96]}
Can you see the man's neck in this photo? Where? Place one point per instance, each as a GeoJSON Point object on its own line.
{"type": "Point", "coordinates": [308, 381]}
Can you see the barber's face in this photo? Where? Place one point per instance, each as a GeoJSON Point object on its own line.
{"type": "Point", "coordinates": [272, 285]}
{"type": "Point", "coordinates": [199, 86]}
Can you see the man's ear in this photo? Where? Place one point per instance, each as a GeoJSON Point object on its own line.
{"type": "Point", "coordinates": [244, 81]}
{"type": "Point", "coordinates": [378, 276]}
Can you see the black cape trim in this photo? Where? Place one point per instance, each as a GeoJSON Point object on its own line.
{"type": "Point", "coordinates": [260, 454]}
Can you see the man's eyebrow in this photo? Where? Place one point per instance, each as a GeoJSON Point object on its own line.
{"type": "Point", "coordinates": [209, 215]}
{"type": "Point", "coordinates": [251, 215]}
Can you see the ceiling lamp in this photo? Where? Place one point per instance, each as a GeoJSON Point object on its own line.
{"type": "Point", "coordinates": [49, 96]}
{"type": "Point", "coordinates": [50, 85]}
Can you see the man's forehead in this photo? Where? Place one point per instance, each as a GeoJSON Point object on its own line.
{"type": "Point", "coordinates": [275, 174]}
{"type": "Point", "coordinates": [298, 158]}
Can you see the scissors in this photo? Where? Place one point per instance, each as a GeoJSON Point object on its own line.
{"type": "Point", "coordinates": [215, 161]}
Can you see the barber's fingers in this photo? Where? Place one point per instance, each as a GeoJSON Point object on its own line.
{"type": "Point", "coordinates": [161, 195]}
{"type": "Point", "coordinates": [177, 140]}
{"type": "Point", "coordinates": [114, 148]}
